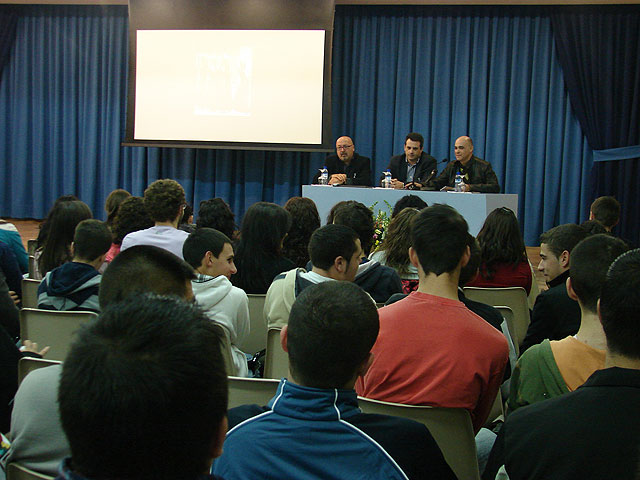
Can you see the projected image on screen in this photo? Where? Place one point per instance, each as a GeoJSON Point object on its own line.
{"type": "Point", "coordinates": [229, 85]}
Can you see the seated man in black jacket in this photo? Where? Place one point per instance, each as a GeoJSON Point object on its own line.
{"type": "Point", "coordinates": [347, 167]}
{"type": "Point", "coordinates": [478, 176]}
{"type": "Point", "coordinates": [414, 167]}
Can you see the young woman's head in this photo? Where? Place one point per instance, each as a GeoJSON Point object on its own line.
{"type": "Point", "coordinates": [215, 213]}
{"type": "Point", "coordinates": [305, 221]}
{"type": "Point", "coordinates": [500, 240]}
{"type": "Point", "coordinates": [264, 227]}
{"type": "Point", "coordinates": [112, 204]}
{"type": "Point", "coordinates": [398, 240]}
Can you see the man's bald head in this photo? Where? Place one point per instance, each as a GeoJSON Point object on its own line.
{"type": "Point", "coordinates": [463, 149]}
{"type": "Point", "coordinates": [345, 149]}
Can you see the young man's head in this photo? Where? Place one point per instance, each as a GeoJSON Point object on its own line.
{"type": "Point", "coordinates": [165, 201]}
{"type": "Point", "coordinates": [91, 242]}
{"type": "Point", "coordinates": [335, 252]}
{"type": "Point", "coordinates": [332, 328]}
{"type": "Point", "coordinates": [143, 392]}
{"type": "Point", "coordinates": [469, 272]}
{"type": "Point", "coordinates": [209, 252]}
{"type": "Point", "coordinates": [145, 268]}
{"type": "Point", "coordinates": [606, 210]}
{"type": "Point", "coordinates": [439, 239]}
{"type": "Point", "coordinates": [357, 216]}
{"type": "Point", "coordinates": [555, 249]}
{"type": "Point", "coordinates": [619, 306]}
{"type": "Point", "coordinates": [590, 260]}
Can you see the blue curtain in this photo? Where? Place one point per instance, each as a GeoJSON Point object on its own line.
{"type": "Point", "coordinates": [488, 72]}
{"type": "Point", "coordinates": [598, 49]}
{"type": "Point", "coordinates": [8, 22]}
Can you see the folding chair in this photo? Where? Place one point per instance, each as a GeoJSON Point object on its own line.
{"type": "Point", "coordinates": [15, 471]}
{"type": "Point", "coordinates": [247, 391]}
{"type": "Point", "coordinates": [276, 364]}
{"type": "Point", "coordinates": [26, 365]}
{"type": "Point", "coordinates": [507, 314]}
{"type": "Point", "coordinates": [257, 338]}
{"type": "Point", "coordinates": [30, 292]}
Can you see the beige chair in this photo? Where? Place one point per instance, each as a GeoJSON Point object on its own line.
{"type": "Point", "coordinates": [226, 350]}
{"type": "Point", "coordinates": [32, 244]}
{"type": "Point", "coordinates": [276, 363]}
{"type": "Point", "coordinates": [32, 266]}
{"type": "Point", "coordinates": [247, 391]}
{"type": "Point", "coordinates": [513, 297]}
{"type": "Point", "coordinates": [26, 365]}
{"type": "Point", "coordinates": [507, 314]}
{"type": "Point", "coordinates": [451, 428]}
{"type": "Point", "coordinates": [257, 338]}
{"type": "Point", "coordinates": [52, 328]}
{"type": "Point", "coordinates": [15, 471]}
{"type": "Point", "coordinates": [30, 292]}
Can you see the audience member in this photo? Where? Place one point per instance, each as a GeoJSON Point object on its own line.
{"type": "Point", "coordinates": [74, 285]}
{"type": "Point", "coordinates": [412, 201]}
{"type": "Point", "coordinates": [38, 441]}
{"type": "Point", "coordinates": [215, 213]}
{"type": "Point", "coordinates": [168, 419]}
{"type": "Point", "coordinates": [593, 227]}
{"type": "Point", "coordinates": [347, 167]}
{"type": "Point", "coordinates": [305, 221]}
{"type": "Point", "coordinates": [164, 201]}
{"type": "Point", "coordinates": [555, 315]}
{"type": "Point", "coordinates": [555, 367]}
{"type": "Point", "coordinates": [593, 431]}
{"type": "Point", "coordinates": [478, 176]}
{"type": "Point", "coordinates": [210, 253]}
{"type": "Point", "coordinates": [394, 249]}
{"type": "Point", "coordinates": [9, 234]}
{"type": "Point", "coordinates": [11, 269]}
{"type": "Point", "coordinates": [112, 204]}
{"type": "Point", "coordinates": [44, 226]}
{"type": "Point", "coordinates": [504, 256]}
{"type": "Point", "coordinates": [431, 349]}
{"type": "Point", "coordinates": [378, 280]}
{"type": "Point", "coordinates": [259, 253]}
{"type": "Point", "coordinates": [132, 216]}
{"type": "Point", "coordinates": [64, 219]}
{"type": "Point", "coordinates": [414, 167]}
{"type": "Point", "coordinates": [606, 210]}
{"type": "Point", "coordinates": [186, 223]}
{"type": "Point", "coordinates": [313, 427]}
{"type": "Point", "coordinates": [335, 253]}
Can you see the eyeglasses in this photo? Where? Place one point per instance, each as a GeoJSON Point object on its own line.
{"type": "Point", "coordinates": [343, 147]}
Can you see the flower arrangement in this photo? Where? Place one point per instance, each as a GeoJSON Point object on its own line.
{"type": "Point", "coordinates": [381, 220]}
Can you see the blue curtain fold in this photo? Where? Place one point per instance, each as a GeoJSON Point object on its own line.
{"type": "Point", "coordinates": [599, 50]}
{"type": "Point", "coordinates": [488, 72]}
{"type": "Point", "coordinates": [8, 23]}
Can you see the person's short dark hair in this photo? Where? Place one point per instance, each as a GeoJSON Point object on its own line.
{"type": "Point", "coordinates": [359, 217]}
{"type": "Point", "coordinates": [113, 202]}
{"type": "Point", "coordinates": [335, 208]}
{"type": "Point", "coordinates": [332, 327]}
{"type": "Point", "coordinates": [200, 242]}
{"type": "Point", "coordinates": [470, 270]}
{"type": "Point", "coordinates": [414, 137]}
{"type": "Point", "coordinates": [439, 235]}
{"type": "Point", "coordinates": [620, 304]}
{"type": "Point", "coordinates": [187, 212]}
{"type": "Point", "coordinates": [407, 201]}
{"type": "Point", "coordinates": [163, 200]}
{"type": "Point", "coordinates": [589, 262]}
{"type": "Point", "coordinates": [147, 375]}
{"type": "Point", "coordinates": [92, 238]}
{"type": "Point", "coordinates": [132, 216]}
{"type": "Point", "coordinates": [215, 213]}
{"type": "Point", "coordinates": [305, 221]}
{"type": "Point", "coordinates": [330, 242]}
{"type": "Point", "coordinates": [606, 210]}
{"type": "Point", "coordinates": [144, 268]}
{"type": "Point", "coordinates": [593, 227]}
{"type": "Point", "coordinates": [563, 237]}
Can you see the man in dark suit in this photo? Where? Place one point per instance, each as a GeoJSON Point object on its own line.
{"type": "Point", "coordinates": [414, 167]}
{"type": "Point", "coordinates": [347, 167]}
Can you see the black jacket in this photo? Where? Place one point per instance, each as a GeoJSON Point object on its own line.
{"type": "Point", "coordinates": [358, 171]}
{"type": "Point", "coordinates": [478, 174]}
{"type": "Point", "coordinates": [425, 167]}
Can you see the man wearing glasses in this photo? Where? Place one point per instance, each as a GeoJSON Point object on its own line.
{"type": "Point", "coordinates": [347, 167]}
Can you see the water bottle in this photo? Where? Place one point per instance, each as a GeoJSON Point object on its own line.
{"type": "Point", "coordinates": [323, 179]}
{"type": "Point", "coordinates": [386, 181]}
{"type": "Point", "coordinates": [458, 183]}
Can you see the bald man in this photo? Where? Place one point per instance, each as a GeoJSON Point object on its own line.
{"type": "Point", "coordinates": [347, 167]}
{"type": "Point", "coordinates": [478, 176]}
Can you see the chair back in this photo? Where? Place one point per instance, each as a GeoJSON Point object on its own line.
{"type": "Point", "coordinates": [30, 292]}
{"type": "Point", "coordinates": [513, 297]}
{"type": "Point", "coordinates": [276, 363]}
{"type": "Point", "coordinates": [507, 314]}
{"type": "Point", "coordinates": [247, 391]}
{"type": "Point", "coordinates": [52, 328]}
{"type": "Point", "coordinates": [32, 266]}
{"type": "Point", "coordinates": [226, 350]}
{"type": "Point", "coordinates": [26, 365]}
{"type": "Point", "coordinates": [15, 471]}
{"type": "Point", "coordinates": [257, 338]}
{"type": "Point", "coordinates": [32, 245]}
{"type": "Point", "coordinates": [451, 428]}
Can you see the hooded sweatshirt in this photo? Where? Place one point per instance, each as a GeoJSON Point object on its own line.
{"type": "Point", "coordinates": [71, 286]}
{"type": "Point", "coordinates": [229, 306]}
